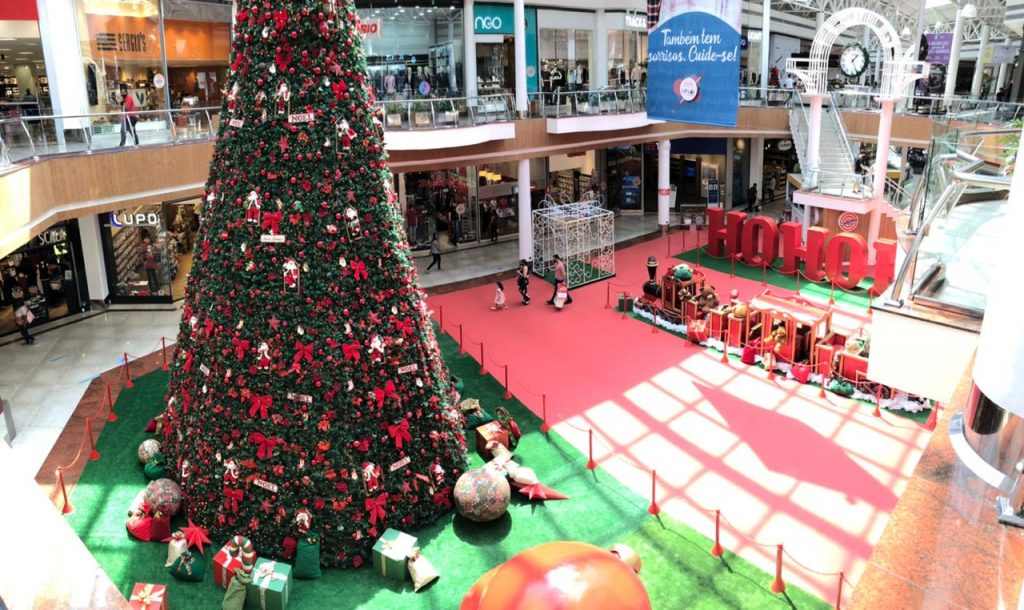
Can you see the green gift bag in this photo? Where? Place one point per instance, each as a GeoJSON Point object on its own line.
{"type": "Point", "coordinates": [234, 597]}
{"type": "Point", "coordinates": [156, 467]}
{"type": "Point", "coordinates": [188, 567]}
{"type": "Point", "coordinates": [307, 557]}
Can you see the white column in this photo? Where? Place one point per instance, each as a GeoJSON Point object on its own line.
{"type": "Point", "coordinates": [519, 12]}
{"type": "Point", "coordinates": [756, 165]}
{"type": "Point", "coordinates": [810, 173]}
{"type": "Point", "coordinates": [664, 188]}
{"type": "Point", "coordinates": [58, 33]}
{"type": "Point", "coordinates": [570, 49]}
{"type": "Point", "coordinates": [888, 107]}
{"type": "Point", "coordinates": [766, 45]}
{"type": "Point", "coordinates": [878, 67]}
{"type": "Point", "coordinates": [864, 40]}
{"type": "Point", "coordinates": [979, 67]}
{"type": "Point", "coordinates": [725, 195]}
{"type": "Point", "coordinates": [1001, 81]}
{"type": "Point", "coordinates": [92, 257]}
{"type": "Point", "coordinates": [819, 20]}
{"type": "Point", "coordinates": [954, 56]}
{"type": "Point", "coordinates": [525, 212]}
{"type": "Point", "coordinates": [468, 49]}
{"type": "Point", "coordinates": [402, 203]}
{"type": "Point", "coordinates": [599, 67]}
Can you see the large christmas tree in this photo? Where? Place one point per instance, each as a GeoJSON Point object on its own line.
{"type": "Point", "coordinates": [307, 374]}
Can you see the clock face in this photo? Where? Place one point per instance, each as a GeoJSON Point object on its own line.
{"type": "Point", "coordinates": [853, 61]}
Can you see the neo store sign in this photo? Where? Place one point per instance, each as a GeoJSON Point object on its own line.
{"type": "Point", "coordinates": [756, 242]}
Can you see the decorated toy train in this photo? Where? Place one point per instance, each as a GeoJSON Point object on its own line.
{"type": "Point", "coordinates": [787, 333]}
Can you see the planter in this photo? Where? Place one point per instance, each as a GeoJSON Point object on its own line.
{"type": "Point", "coordinates": [393, 119]}
{"type": "Point", "coordinates": [421, 119]}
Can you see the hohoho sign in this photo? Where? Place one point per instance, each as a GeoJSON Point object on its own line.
{"type": "Point", "coordinates": [757, 241]}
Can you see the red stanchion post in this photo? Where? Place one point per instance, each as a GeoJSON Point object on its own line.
{"type": "Point", "coordinates": [698, 250]}
{"type": "Point", "coordinates": [440, 317]}
{"type": "Point", "coordinates": [67, 508]}
{"type": "Point", "coordinates": [483, 368]}
{"type": "Point", "coordinates": [462, 344]}
{"type": "Point", "coordinates": [878, 401]}
{"type": "Point", "coordinates": [732, 265]}
{"type": "Point", "coordinates": [163, 354]}
{"type": "Point", "coordinates": [111, 416]}
{"type": "Point", "coordinates": [764, 274]}
{"type": "Point", "coordinates": [871, 297]}
{"type": "Point", "coordinates": [798, 280]}
{"type": "Point", "coordinates": [654, 509]}
{"type": "Point", "coordinates": [508, 394]}
{"type": "Point", "coordinates": [778, 585]}
{"type": "Point", "coordinates": [544, 426]}
{"type": "Point", "coordinates": [832, 293]}
{"type": "Point", "coordinates": [933, 418]}
{"type": "Point", "coordinates": [625, 298]}
{"type": "Point", "coordinates": [839, 593]}
{"type": "Point", "coordinates": [769, 365]}
{"type": "Point", "coordinates": [93, 454]}
{"type": "Point", "coordinates": [127, 373]}
{"type": "Point", "coordinates": [591, 464]}
{"type": "Point", "coordinates": [608, 296]}
{"type": "Point", "coordinates": [725, 346]}
{"type": "Point", "coordinates": [821, 386]}
{"type": "Point", "coordinates": [716, 550]}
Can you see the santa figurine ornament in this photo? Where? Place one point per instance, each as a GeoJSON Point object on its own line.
{"type": "Point", "coordinates": [261, 98]}
{"type": "Point", "coordinates": [282, 97]}
{"type": "Point", "coordinates": [292, 280]}
{"type": "Point", "coordinates": [355, 231]}
{"type": "Point", "coordinates": [232, 97]}
{"type": "Point", "coordinates": [263, 358]}
{"type": "Point", "coordinates": [252, 207]}
{"type": "Point", "coordinates": [344, 134]}
{"type": "Point", "coordinates": [303, 519]}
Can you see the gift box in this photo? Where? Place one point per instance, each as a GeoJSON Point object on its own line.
{"type": "Point", "coordinates": [270, 586]}
{"type": "Point", "coordinates": [625, 302]}
{"type": "Point", "coordinates": [801, 372]}
{"type": "Point", "coordinates": [148, 597]}
{"type": "Point", "coordinates": [238, 553]}
{"type": "Point", "coordinates": [696, 330]}
{"type": "Point", "coordinates": [421, 570]}
{"type": "Point", "coordinates": [160, 529]}
{"type": "Point", "coordinates": [391, 553]}
{"type": "Point", "coordinates": [488, 432]}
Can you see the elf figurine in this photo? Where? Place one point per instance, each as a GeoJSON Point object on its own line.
{"type": "Point", "coordinates": [291, 275]}
{"type": "Point", "coordinates": [252, 208]}
{"type": "Point", "coordinates": [282, 96]}
{"type": "Point", "coordinates": [263, 358]}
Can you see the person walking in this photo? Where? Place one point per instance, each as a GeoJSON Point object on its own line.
{"type": "Point", "coordinates": [492, 221]}
{"type": "Point", "coordinates": [435, 253]}
{"type": "Point", "coordinates": [523, 280]}
{"type": "Point", "coordinates": [752, 197]}
{"type": "Point", "coordinates": [560, 279]}
{"type": "Point", "coordinates": [23, 317]}
{"type": "Point", "coordinates": [130, 119]}
{"type": "Point", "coordinates": [499, 297]}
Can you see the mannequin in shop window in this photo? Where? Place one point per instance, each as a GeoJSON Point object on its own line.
{"type": "Point", "coordinates": [390, 84]}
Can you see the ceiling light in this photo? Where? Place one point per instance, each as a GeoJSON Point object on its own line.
{"type": "Point", "coordinates": [969, 11]}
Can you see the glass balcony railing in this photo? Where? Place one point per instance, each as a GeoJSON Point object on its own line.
{"type": "Point", "coordinates": [447, 112]}
{"type": "Point", "coordinates": [32, 137]}
{"type": "Point", "coordinates": [568, 104]}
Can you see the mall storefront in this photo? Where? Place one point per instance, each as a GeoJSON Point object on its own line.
{"type": "Point", "coordinates": [47, 274]}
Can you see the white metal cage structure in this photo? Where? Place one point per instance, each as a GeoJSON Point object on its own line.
{"type": "Point", "coordinates": [582, 233]}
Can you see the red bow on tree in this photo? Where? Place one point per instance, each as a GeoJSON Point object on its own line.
{"type": "Point", "coordinates": [351, 351]}
{"type": "Point", "coordinates": [359, 270]}
{"type": "Point", "coordinates": [375, 506]}
{"type": "Point", "coordinates": [231, 499]}
{"type": "Point", "coordinates": [266, 445]}
{"type": "Point", "coordinates": [208, 326]}
{"type": "Point", "coordinates": [241, 347]}
{"type": "Point", "coordinates": [260, 404]}
{"type": "Point", "coordinates": [405, 326]}
{"type": "Point", "coordinates": [387, 392]}
{"type": "Point", "coordinates": [400, 432]}
{"type": "Point", "coordinates": [339, 88]}
{"type": "Point", "coordinates": [280, 19]}
{"type": "Point", "coordinates": [283, 57]}
{"type": "Point", "coordinates": [272, 221]}
{"type": "Point", "coordinates": [303, 351]}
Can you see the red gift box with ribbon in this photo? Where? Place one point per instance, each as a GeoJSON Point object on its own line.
{"type": "Point", "coordinates": [148, 597]}
{"type": "Point", "coordinates": [237, 554]}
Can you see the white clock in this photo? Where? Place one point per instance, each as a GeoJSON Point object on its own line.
{"type": "Point", "coordinates": [853, 61]}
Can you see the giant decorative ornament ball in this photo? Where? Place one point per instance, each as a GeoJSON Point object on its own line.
{"type": "Point", "coordinates": [559, 576]}
{"type": "Point", "coordinates": [163, 495]}
{"type": "Point", "coordinates": [627, 555]}
{"type": "Point", "coordinates": [148, 449]}
{"type": "Point", "coordinates": [482, 495]}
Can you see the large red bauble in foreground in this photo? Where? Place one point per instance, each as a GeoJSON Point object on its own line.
{"type": "Point", "coordinates": [559, 576]}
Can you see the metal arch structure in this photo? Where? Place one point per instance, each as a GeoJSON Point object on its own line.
{"type": "Point", "coordinates": [582, 233]}
{"type": "Point", "coordinates": [902, 14]}
{"type": "Point", "coordinates": [898, 70]}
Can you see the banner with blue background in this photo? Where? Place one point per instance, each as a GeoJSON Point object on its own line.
{"type": "Point", "coordinates": [693, 69]}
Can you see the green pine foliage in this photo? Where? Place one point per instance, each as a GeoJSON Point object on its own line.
{"type": "Point", "coordinates": [308, 374]}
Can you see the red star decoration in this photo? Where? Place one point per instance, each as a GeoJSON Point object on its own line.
{"type": "Point", "coordinates": [274, 323]}
{"type": "Point", "coordinates": [196, 536]}
{"type": "Point", "coordinates": [351, 195]}
{"type": "Point", "coordinates": [374, 318]}
{"type": "Point", "coordinates": [405, 487]}
{"type": "Point", "coordinates": [266, 506]}
{"type": "Point", "coordinates": [283, 143]}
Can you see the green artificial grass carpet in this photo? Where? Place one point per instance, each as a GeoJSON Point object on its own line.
{"type": "Point", "coordinates": [808, 289]}
{"type": "Point", "coordinates": [678, 571]}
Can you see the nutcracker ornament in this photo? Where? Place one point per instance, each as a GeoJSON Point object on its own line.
{"type": "Point", "coordinates": [282, 97]}
{"type": "Point", "coordinates": [252, 208]}
{"type": "Point", "coordinates": [292, 279]}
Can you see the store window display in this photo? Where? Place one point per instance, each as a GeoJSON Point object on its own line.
{"type": "Point", "coordinates": [44, 275]}
{"type": "Point", "coordinates": [409, 46]}
{"type": "Point", "coordinates": [439, 202]}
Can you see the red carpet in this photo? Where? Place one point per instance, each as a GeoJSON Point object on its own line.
{"type": "Point", "coordinates": [784, 466]}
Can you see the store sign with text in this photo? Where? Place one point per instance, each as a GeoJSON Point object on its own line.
{"type": "Point", "coordinates": [500, 19]}
{"type": "Point", "coordinates": [139, 38]}
{"type": "Point", "coordinates": [634, 21]}
{"type": "Point", "coordinates": [841, 258]}
{"type": "Point", "coordinates": [125, 218]}
{"type": "Point", "coordinates": [370, 28]}
{"type": "Point", "coordinates": [694, 63]}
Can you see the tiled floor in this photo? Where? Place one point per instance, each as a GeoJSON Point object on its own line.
{"type": "Point", "coordinates": [44, 382]}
